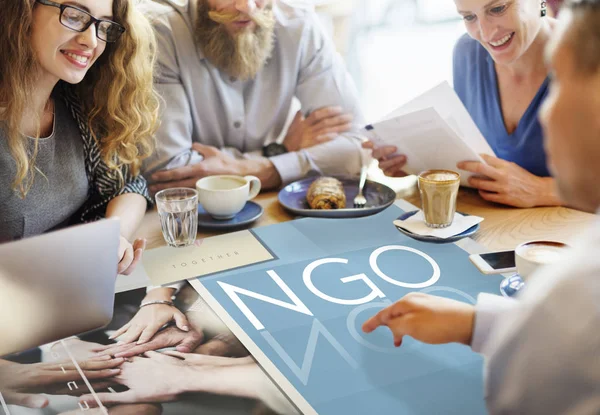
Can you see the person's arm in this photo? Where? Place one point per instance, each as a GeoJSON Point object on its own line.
{"type": "Point", "coordinates": [323, 81]}
{"type": "Point", "coordinates": [191, 373]}
{"type": "Point", "coordinates": [174, 134]}
{"type": "Point", "coordinates": [438, 320]}
{"type": "Point", "coordinates": [488, 310]}
{"type": "Point", "coordinates": [247, 381]}
{"type": "Point", "coordinates": [130, 208]}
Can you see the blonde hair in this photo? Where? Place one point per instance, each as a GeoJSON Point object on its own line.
{"type": "Point", "coordinates": [117, 94]}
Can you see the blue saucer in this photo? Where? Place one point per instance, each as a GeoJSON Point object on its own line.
{"type": "Point", "coordinates": [379, 196]}
{"type": "Point", "coordinates": [247, 215]}
{"type": "Point", "coordinates": [435, 239]}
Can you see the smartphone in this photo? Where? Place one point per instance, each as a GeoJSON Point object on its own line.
{"type": "Point", "coordinates": [495, 262]}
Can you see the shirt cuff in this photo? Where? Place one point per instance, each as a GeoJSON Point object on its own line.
{"type": "Point", "coordinates": [488, 309]}
{"type": "Point", "coordinates": [289, 167]}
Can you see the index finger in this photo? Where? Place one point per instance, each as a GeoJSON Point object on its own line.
{"type": "Point", "coordinates": [371, 324]}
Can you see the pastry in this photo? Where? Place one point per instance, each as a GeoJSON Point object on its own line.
{"type": "Point", "coordinates": [326, 193]}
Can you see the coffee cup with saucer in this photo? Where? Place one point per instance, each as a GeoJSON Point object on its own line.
{"type": "Point", "coordinates": [529, 256]}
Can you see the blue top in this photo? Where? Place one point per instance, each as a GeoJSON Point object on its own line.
{"type": "Point", "coordinates": [476, 84]}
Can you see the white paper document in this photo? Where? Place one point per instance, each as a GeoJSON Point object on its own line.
{"type": "Point", "coordinates": [434, 131]}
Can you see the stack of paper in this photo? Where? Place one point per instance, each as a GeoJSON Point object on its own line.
{"type": "Point", "coordinates": [434, 131]}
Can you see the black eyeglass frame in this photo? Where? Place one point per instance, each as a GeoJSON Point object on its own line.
{"type": "Point", "coordinates": [92, 21]}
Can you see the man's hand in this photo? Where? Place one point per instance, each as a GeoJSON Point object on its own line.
{"type": "Point", "coordinates": [427, 318]}
{"type": "Point", "coordinates": [183, 341]}
{"type": "Point", "coordinates": [390, 162]}
{"type": "Point", "coordinates": [215, 162]}
{"type": "Point", "coordinates": [504, 182]}
{"type": "Point", "coordinates": [21, 384]}
{"type": "Point", "coordinates": [130, 255]}
{"type": "Point", "coordinates": [319, 127]}
{"type": "Point", "coordinates": [148, 321]}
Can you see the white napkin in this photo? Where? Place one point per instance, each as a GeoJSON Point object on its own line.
{"type": "Point", "coordinates": [416, 224]}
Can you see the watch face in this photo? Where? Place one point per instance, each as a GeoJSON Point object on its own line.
{"type": "Point", "coordinates": [274, 149]}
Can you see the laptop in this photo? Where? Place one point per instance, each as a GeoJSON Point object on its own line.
{"type": "Point", "coordinates": [57, 284]}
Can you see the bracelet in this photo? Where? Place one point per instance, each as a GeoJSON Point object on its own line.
{"type": "Point", "coordinates": [157, 302]}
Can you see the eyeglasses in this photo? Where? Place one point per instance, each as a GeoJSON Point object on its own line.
{"type": "Point", "coordinates": [80, 20]}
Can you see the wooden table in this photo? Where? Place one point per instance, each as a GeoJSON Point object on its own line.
{"type": "Point", "coordinates": [503, 227]}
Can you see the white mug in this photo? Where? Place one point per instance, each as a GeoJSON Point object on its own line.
{"type": "Point", "coordinates": [225, 196]}
{"type": "Point", "coordinates": [529, 256]}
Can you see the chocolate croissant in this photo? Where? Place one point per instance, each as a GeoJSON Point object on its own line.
{"type": "Point", "coordinates": [326, 193]}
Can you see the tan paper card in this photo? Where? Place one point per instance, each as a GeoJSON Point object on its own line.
{"type": "Point", "coordinates": [216, 254]}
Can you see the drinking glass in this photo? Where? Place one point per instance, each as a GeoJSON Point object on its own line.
{"type": "Point", "coordinates": [178, 212]}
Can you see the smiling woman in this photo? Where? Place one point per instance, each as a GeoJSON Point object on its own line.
{"type": "Point", "coordinates": [77, 115]}
{"type": "Point", "coordinates": [500, 76]}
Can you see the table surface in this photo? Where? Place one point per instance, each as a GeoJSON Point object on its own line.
{"type": "Point", "coordinates": [503, 228]}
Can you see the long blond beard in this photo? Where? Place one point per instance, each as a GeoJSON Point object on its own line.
{"type": "Point", "coordinates": [242, 54]}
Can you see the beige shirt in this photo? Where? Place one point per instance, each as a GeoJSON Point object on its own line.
{"type": "Point", "coordinates": [203, 104]}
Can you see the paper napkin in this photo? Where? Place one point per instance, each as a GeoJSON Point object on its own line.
{"type": "Point", "coordinates": [416, 224]}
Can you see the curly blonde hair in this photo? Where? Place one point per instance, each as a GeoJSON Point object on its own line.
{"type": "Point", "coordinates": [117, 94]}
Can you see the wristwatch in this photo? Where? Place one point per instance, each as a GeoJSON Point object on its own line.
{"type": "Point", "coordinates": [274, 149]}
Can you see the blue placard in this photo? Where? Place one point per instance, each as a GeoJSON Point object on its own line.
{"type": "Point", "coordinates": [304, 313]}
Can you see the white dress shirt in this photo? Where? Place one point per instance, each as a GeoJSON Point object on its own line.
{"type": "Point", "coordinates": [543, 351]}
{"type": "Point", "coordinates": [203, 104]}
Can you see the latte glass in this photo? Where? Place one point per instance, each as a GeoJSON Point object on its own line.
{"type": "Point", "coordinates": [178, 212]}
{"type": "Point", "coordinates": [439, 189]}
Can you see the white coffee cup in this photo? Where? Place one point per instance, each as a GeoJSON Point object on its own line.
{"type": "Point", "coordinates": [223, 197]}
{"type": "Point", "coordinates": [529, 256]}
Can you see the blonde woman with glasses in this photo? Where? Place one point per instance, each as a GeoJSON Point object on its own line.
{"type": "Point", "coordinates": [77, 115]}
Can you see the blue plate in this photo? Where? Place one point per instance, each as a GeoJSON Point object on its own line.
{"type": "Point", "coordinates": [247, 215]}
{"type": "Point", "coordinates": [435, 239]}
{"type": "Point", "coordinates": [379, 196]}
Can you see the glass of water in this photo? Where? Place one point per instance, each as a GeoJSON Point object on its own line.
{"type": "Point", "coordinates": [178, 212]}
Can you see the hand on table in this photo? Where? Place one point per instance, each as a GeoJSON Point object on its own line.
{"type": "Point", "coordinates": [153, 378]}
{"type": "Point", "coordinates": [391, 164]}
{"type": "Point", "coordinates": [148, 321]}
{"type": "Point", "coordinates": [183, 341]}
{"type": "Point", "coordinates": [505, 182]}
{"type": "Point", "coordinates": [427, 318]}
{"type": "Point", "coordinates": [130, 255]}
{"type": "Point", "coordinates": [22, 384]}
{"type": "Point", "coordinates": [162, 377]}
{"type": "Point", "coordinates": [215, 162]}
{"type": "Point", "coordinates": [319, 127]}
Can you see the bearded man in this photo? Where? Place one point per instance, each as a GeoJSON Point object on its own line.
{"type": "Point", "coordinates": [228, 72]}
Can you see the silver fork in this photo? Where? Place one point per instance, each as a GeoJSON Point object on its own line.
{"type": "Point", "coordinates": [360, 201]}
